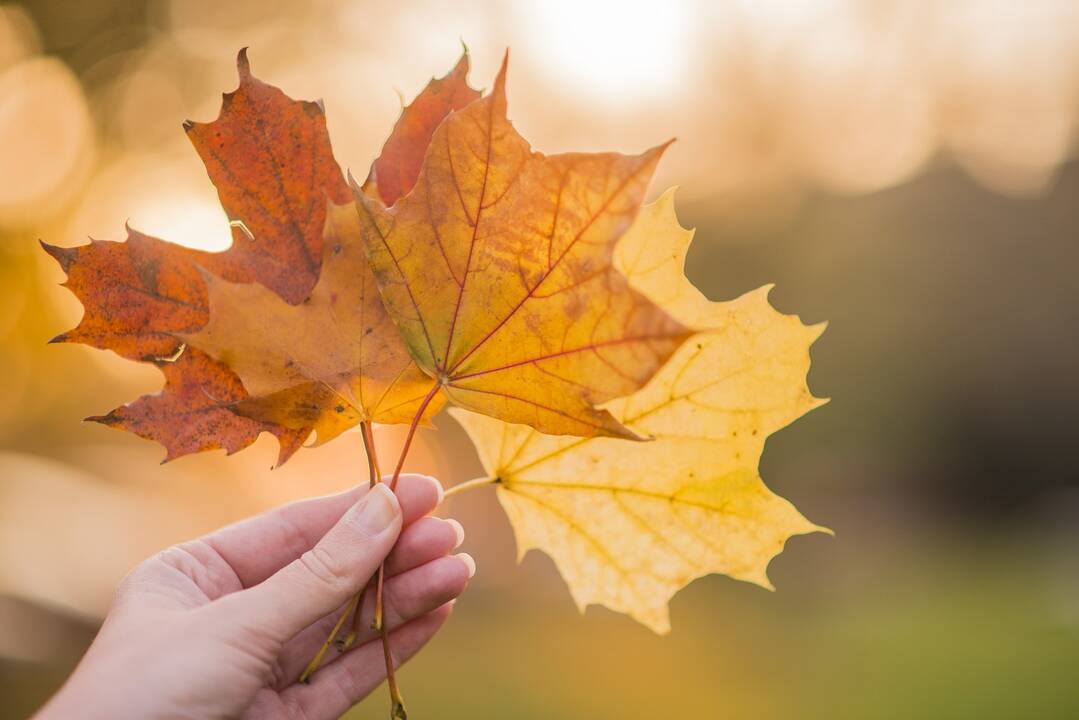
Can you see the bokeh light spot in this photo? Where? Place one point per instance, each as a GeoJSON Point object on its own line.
{"type": "Point", "coordinates": [622, 52]}
{"type": "Point", "coordinates": [46, 135]}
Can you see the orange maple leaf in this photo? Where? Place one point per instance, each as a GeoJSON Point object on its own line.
{"type": "Point", "coordinates": [394, 172]}
{"type": "Point", "coordinates": [270, 158]}
{"type": "Point", "coordinates": [497, 269]}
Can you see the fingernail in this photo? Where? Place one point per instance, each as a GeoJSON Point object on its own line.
{"type": "Point", "coordinates": [459, 530]}
{"type": "Point", "coordinates": [378, 509]}
{"type": "Point", "coordinates": [411, 478]}
{"type": "Point", "coordinates": [469, 563]}
{"type": "Point", "coordinates": [438, 486]}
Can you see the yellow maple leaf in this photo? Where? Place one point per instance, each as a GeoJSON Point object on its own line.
{"type": "Point", "coordinates": [497, 267]}
{"type": "Point", "coordinates": [329, 363]}
{"type": "Point", "coordinates": [630, 524]}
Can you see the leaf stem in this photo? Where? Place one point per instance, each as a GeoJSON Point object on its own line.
{"type": "Point", "coordinates": [376, 624]}
{"type": "Point", "coordinates": [356, 603]}
{"type": "Point", "coordinates": [397, 703]}
{"type": "Point", "coordinates": [469, 485]}
{"type": "Point", "coordinates": [412, 432]}
{"type": "Point", "coordinates": [312, 666]}
{"type": "Point", "coordinates": [368, 435]}
{"type": "Point", "coordinates": [375, 476]}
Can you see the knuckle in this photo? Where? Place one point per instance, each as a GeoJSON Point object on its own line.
{"type": "Point", "coordinates": [292, 535]}
{"type": "Point", "coordinates": [324, 568]}
{"type": "Point", "coordinates": [148, 573]}
{"type": "Point", "coordinates": [361, 532]}
{"type": "Point", "coordinates": [174, 557]}
{"type": "Point", "coordinates": [278, 680]}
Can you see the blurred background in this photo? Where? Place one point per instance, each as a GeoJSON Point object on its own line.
{"type": "Point", "coordinates": [903, 169]}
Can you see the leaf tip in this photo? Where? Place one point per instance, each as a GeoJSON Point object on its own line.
{"type": "Point", "coordinates": [500, 79]}
{"type": "Point", "coordinates": [111, 419]}
{"type": "Point", "coordinates": [64, 256]}
{"type": "Point", "coordinates": [764, 291]}
{"type": "Point", "coordinates": [243, 65]}
{"type": "Point", "coordinates": [667, 197]}
{"type": "Point", "coordinates": [613, 428]}
{"type": "Point", "coordinates": [288, 448]}
{"type": "Point", "coordinates": [650, 157]}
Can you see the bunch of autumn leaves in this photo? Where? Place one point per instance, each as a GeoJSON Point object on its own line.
{"type": "Point", "coordinates": [527, 290]}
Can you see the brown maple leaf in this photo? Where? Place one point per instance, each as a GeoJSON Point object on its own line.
{"type": "Point", "coordinates": [270, 158]}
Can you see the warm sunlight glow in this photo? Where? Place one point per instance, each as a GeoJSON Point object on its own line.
{"type": "Point", "coordinates": [46, 135]}
{"type": "Point", "coordinates": [623, 52]}
{"type": "Point", "coordinates": [185, 220]}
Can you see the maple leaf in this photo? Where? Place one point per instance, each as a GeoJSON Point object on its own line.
{"type": "Point", "coordinates": [628, 525]}
{"type": "Point", "coordinates": [394, 172]}
{"type": "Point", "coordinates": [192, 413]}
{"type": "Point", "coordinates": [331, 362]}
{"type": "Point", "coordinates": [336, 360]}
{"type": "Point", "coordinates": [497, 269]}
{"type": "Point", "coordinates": [269, 157]}
{"type": "Point", "coordinates": [137, 295]}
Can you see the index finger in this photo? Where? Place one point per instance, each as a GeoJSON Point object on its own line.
{"type": "Point", "coordinates": [258, 547]}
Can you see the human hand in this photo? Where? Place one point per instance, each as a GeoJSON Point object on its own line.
{"type": "Point", "coordinates": [222, 627]}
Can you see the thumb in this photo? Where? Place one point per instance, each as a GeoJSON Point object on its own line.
{"type": "Point", "coordinates": [324, 577]}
